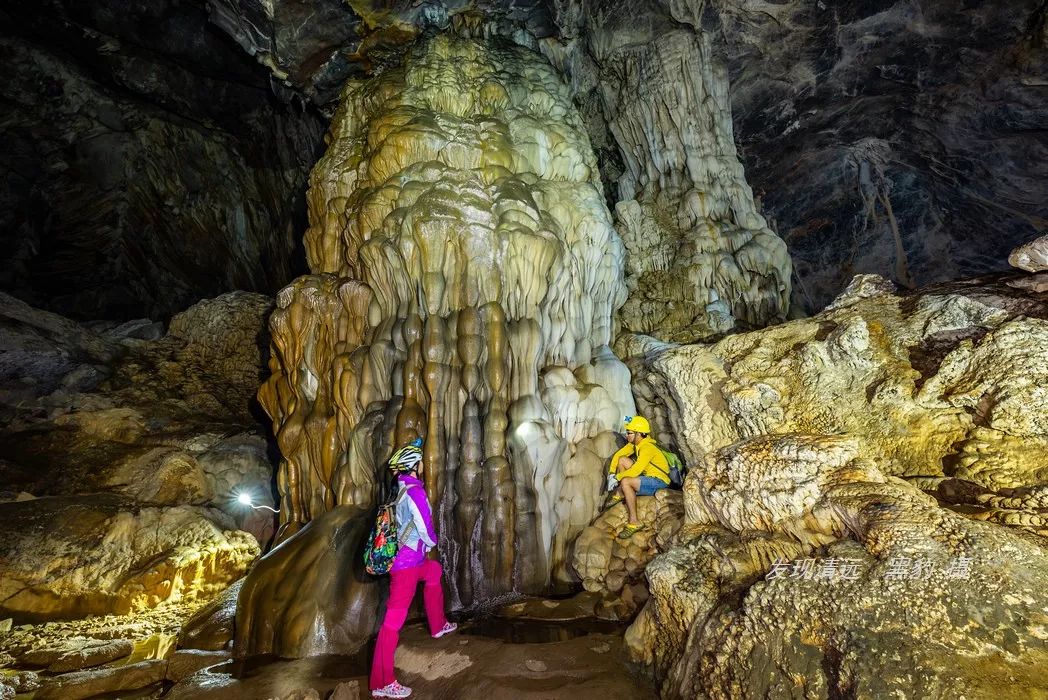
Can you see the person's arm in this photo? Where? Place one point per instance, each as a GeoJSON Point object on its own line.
{"type": "Point", "coordinates": [625, 451]}
{"type": "Point", "coordinates": [422, 517]}
{"type": "Point", "coordinates": [645, 453]}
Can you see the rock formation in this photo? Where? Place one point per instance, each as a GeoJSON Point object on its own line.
{"type": "Point", "coordinates": [1032, 256]}
{"type": "Point", "coordinates": [147, 162]}
{"type": "Point", "coordinates": [614, 567]}
{"type": "Point", "coordinates": [836, 578]}
{"type": "Point", "coordinates": [121, 458]}
{"type": "Point", "coordinates": [888, 138]}
{"type": "Point", "coordinates": [700, 256]}
{"type": "Point", "coordinates": [71, 557]}
{"type": "Point", "coordinates": [466, 272]}
{"type": "Point", "coordinates": [945, 386]}
{"type": "Point", "coordinates": [311, 595]}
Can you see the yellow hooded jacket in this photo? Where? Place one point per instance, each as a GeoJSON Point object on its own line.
{"type": "Point", "coordinates": [649, 461]}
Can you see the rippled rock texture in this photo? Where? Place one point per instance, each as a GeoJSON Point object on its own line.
{"type": "Point", "coordinates": [466, 272]}
{"type": "Point", "coordinates": [701, 258]}
{"type": "Point", "coordinates": [867, 480]}
{"type": "Point", "coordinates": [837, 578]}
{"type": "Point", "coordinates": [946, 386]}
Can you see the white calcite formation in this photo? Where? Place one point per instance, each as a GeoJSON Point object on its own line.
{"type": "Point", "coordinates": [701, 259]}
{"type": "Point", "coordinates": [1032, 256]}
{"type": "Point", "coordinates": [466, 272]}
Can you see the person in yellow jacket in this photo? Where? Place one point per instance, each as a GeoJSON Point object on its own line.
{"type": "Point", "coordinates": [638, 469]}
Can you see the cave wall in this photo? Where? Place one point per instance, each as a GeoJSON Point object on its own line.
{"type": "Point", "coordinates": [904, 138]}
{"type": "Point", "coordinates": [146, 161]}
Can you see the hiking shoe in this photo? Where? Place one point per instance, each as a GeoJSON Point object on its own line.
{"type": "Point", "coordinates": [614, 499]}
{"type": "Point", "coordinates": [448, 628]}
{"type": "Point", "coordinates": [393, 690]}
{"type": "Point", "coordinates": [630, 530]}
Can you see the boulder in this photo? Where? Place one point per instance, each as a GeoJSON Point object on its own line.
{"type": "Point", "coordinates": [80, 555]}
{"type": "Point", "coordinates": [311, 594]}
{"type": "Point", "coordinates": [1032, 256]}
{"type": "Point", "coordinates": [608, 565]}
{"type": "Point", "coordinates": [832, 564]}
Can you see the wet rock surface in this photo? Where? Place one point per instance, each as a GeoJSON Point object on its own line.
{"type": "Point", "coordinates": [458, 665]}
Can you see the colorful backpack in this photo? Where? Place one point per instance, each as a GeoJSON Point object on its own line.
{"type": "Point", "coordinates": [384, 540]}
{"type": "Point", "coordinates": [677, 469]}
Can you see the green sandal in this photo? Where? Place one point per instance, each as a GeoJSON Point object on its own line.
{"type": "Point", "coordinates": [613, 499]}
{"type": "Point", "coordinates": [629, 531]}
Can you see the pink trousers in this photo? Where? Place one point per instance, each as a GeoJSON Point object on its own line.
{"type": "Point", "coordinates": [402, 585]}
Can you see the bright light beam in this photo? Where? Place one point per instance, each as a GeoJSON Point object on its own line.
{"type": "Point", "coordinates": [245, 498]}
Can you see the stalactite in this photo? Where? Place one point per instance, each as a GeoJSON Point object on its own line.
{"type": "Point", "coordinates": [463, 253]}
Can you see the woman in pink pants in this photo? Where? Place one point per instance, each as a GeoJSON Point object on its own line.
{"type": "Point", "coordinates": [415, 525]}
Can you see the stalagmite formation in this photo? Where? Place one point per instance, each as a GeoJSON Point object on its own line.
{"type": "Point", "coordinates": [1032, 256]}
{"type": "Point", "coordinates": [466, 273]}
{"type": "Point", "coordinates": [700, 255]}
{"type": "Point", "coordinates": [701, 259]}
{"type": "Point", "coordinates": [614, 567]}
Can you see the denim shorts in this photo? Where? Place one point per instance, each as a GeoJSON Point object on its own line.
{"type": "Point", "coordinates": [649, 485]}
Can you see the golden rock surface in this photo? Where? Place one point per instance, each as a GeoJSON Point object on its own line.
{"type": "Point", "coordinates": [946, 388]}
{"type": "Point", "coordinates": [466, 272]}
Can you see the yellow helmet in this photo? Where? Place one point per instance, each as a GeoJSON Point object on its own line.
{"type": "Point", "coordinates": [638, 424]}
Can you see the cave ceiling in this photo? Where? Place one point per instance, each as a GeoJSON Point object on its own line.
{"type": "Point", "coordinates": [899, 138]}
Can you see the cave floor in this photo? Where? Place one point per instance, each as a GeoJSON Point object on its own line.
{"type": "Point", "coordinates": [461, 666]}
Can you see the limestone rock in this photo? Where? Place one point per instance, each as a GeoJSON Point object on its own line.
{"type": "Point", "coordinates": [142, 175]}
{"type": "Point", "coordinates": [466, 272]}
{"type": "Point", "coordinates": [311, 595]}
{"type": "Point", "coordinates": [88, 656]}
{"type": "Point", "coordinates": [73, 556]}
{"type": "Point", "coordinates": [185, 662]}
{"type": "Point", "coordinates": [852, 571]}
{"type": "Point", "coordinates": [86, 684]}
{"type": "Point", "coordinates": [863, 161]}
{"type": "Point", "coordinates": [608, 565]}
{"type": "Point", "coordinates": [1032, 256]}
{"type": "Point", "coordinates": [701, 258]}
{"type": "Point", "coordinates": [946, 386]}
{"type": "Point", "coordinates": [15, 682]}
{"type": "Point", "coordinates": [166, 422]}
{"type": "Point", "coordinates": [211, 628]}
{"type": "Point", "coordinates": [349, 690]}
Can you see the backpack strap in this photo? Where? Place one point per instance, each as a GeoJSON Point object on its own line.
{"type": "Point", "coordinates": [403, 533]}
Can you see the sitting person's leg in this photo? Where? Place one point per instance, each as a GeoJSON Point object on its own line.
{"type": "Point", "coordinates": [629, 487]}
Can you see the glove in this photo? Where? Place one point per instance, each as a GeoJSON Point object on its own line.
{"type": "Point", "coordinates": [613, 482]}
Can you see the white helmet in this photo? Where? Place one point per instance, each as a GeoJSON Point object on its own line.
{"type": "Point", "coordinates": [406, 459]}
